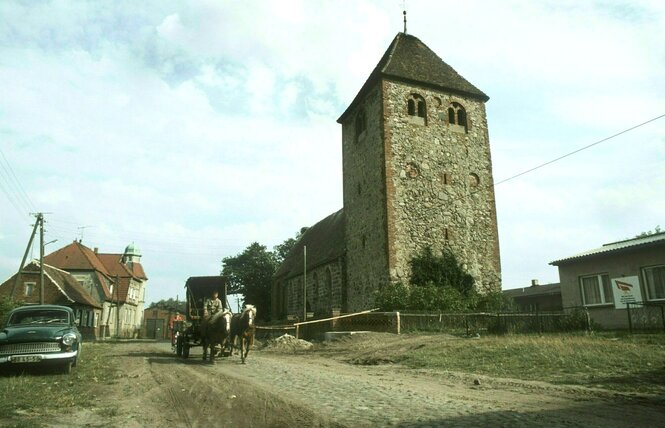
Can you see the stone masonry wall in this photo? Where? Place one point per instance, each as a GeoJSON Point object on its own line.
{"type": "Point", "coordinates": [324, 290]}
{"type": "Point", "coordinates": [440, 191]}
{"type": "Point", "coordinates": [365, 203]}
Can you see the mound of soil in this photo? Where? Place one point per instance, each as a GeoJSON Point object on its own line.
{"type": "Point", "coordinates": [287, 343]}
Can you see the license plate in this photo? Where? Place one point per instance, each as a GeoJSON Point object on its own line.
{"type": "Point", "coordinates": [26, 359]}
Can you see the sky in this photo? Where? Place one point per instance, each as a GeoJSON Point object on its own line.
{"type": "Point", "coordinates": [193, 129]}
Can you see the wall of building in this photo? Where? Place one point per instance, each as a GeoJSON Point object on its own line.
{"type": "Point", "coordinates": [442, 182]}
{"type": "Point", "coordinates": [365, 202]}
{"type": "Point", "coordinates": [325, 290]}
{"type": "Point", "coordinates": [617, 265]}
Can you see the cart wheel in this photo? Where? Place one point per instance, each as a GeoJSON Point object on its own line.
{"type": "Point", "coordinates": [185, 350]}
{"type": "Point", "coordinates": [178, 346]}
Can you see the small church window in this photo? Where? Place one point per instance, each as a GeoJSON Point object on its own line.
{"type": "Point", "coordinates": [416, 107]}
{"type": "Point", "coordinates": [421, 109]}
{"type": "Point", "coordinates": [457, 117]}
{"type": "Point", "coordinates": [474, 180]}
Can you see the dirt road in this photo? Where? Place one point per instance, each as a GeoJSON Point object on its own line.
{"type": "Point", "coordinates": [277, 389]}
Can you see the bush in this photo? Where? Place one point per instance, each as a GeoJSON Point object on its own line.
{"type": "Point", "coordinates": [495, 301]}
{"type": "Point", "coordinates": [392, 297]}
{"type": "Point", "coordinates": [442, 271]}
{"type": "Point", "coordinates": [6, 305]}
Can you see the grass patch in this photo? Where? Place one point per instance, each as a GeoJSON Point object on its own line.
{"type": "Point", "coordinates": [611, 361]}
{"type": "Point", "coordinates": [34, 391]}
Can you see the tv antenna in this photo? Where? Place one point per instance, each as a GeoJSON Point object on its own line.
{"type": "Point", "coordinates": [81, 229]}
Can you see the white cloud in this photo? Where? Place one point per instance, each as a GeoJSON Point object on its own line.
{"type": "Point", "coordinates": [196, 129]}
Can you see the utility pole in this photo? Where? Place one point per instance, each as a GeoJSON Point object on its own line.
{"type": "Point", "coordinates": [117, 307]}
{"type": "Point", "coordinates": [40, 219]}
{"type": "Point", "coordinates": [304, 282]}
{"type": "Point", "coordinates": [25, 256]}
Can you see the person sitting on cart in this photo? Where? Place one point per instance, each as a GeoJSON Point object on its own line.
{"type": "Point", "coordinates": [213, 305]}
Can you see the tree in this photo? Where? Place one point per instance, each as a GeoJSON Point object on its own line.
{"type": "Point", "coordinates": [250, 273]}
{"type": "Point", "coordinates": [282, 250]}
{"type": "Point", "coordinates": [169, 304]}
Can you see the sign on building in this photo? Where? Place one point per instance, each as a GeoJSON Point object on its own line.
{"type": "Point", "coordinates": [626, 290]}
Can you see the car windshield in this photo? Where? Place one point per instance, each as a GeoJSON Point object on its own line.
{"type": "Point", "coordinates": [39, 316]}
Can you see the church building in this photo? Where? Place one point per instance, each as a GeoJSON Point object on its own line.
{"type": "Point", "coordinates": [417, 173]}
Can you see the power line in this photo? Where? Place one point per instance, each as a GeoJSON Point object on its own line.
{"type": "Point", "coordinates": [578, 150]}
{"type": "Point", "coordinates": [21, 191]}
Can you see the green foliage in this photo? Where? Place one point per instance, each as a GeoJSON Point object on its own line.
{"type": "Point", "coordinates": [495, 301]}
{"type": "Point", "coordinates": [441, 271]}
{"type": "Point", "coordinates": [393, 297]}
{"type": "Point", "coordinates": [438, 283]}
{"type": "Point", "coordinates": [169, 304]}
{"type": "Point", "coordinates": [6, 305]}
{"type": "Point", "coordinates": [250, 273]}
{"type": "Point", "coordinates": [282, 250]}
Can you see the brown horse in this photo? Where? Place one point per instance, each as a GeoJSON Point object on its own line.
{"type": "Point", "coordinates": [242, 326]}
{"type": "Point", "coordinates": [215, 331]}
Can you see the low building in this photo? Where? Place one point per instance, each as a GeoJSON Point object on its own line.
{"type": "Point", "coordinates": [606, 280]}
{"type": "Point", "coordinates": [60, 288]}
{"type": "Point", "coordinates": [537, 298]}
{"type": "Point", "coordinates": [156, 323]}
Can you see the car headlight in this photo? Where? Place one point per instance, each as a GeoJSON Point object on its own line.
{"type": "Point", "coordinates": [68, 339]}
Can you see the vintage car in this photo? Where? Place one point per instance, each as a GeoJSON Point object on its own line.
{"type": "Point", "coordinates": [40, 335]}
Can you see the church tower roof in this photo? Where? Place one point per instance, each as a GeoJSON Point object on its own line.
{"type": "Point", "coordinates": [409, 60]}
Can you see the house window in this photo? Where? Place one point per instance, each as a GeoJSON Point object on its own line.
{"type": "Point", "coordinates": [457, 117]}
{"type": "Point", "coordinates": [596, 289]}
{"type": "Point", "coordinates": [29, 289]}
{"type": "Point", "coordinates": [654, 280]}
{"type": "Point", "coordinates": [416, 108]}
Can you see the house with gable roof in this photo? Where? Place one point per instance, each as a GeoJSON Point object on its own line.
{"type": "Point", "coordinates": [60, 288]}
{"type": "Point", "coordinates": [116, 281]}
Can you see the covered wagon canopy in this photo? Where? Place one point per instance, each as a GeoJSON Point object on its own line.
{"type": "Point", "coordinates": [200, 288]}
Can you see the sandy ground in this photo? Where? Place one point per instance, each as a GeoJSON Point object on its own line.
{"type": "Point", "coordinates": [323, 389]}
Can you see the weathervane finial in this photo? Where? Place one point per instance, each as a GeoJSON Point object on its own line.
{"type": "Point", "coordinates": [404, 13]}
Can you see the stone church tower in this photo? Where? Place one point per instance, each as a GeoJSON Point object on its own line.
{"type": "Point", "coordinates": [417, 172]}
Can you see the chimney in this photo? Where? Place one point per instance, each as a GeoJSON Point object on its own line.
{"type": "Point", "coordinates": [96, 250]}
{"type": "Point", "coordinates": [534, 282]}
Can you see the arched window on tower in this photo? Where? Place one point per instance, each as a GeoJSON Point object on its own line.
{"type": "Point", "coordinates": [416, 108]}
{"type": "Point", "coordinates": [457, 118]}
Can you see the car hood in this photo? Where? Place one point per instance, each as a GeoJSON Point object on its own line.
{"type": "Point", "coordinates": [32, 333]}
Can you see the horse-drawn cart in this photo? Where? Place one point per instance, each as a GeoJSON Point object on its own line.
{"type": "Point", "coordinates": [198, 290]}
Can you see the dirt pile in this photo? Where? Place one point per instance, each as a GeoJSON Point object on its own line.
{"type": "Point", "coordinates": [287, 343]}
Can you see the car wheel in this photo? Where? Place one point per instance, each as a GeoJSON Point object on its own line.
{"type": "Point", "coordinates": [67, 367]}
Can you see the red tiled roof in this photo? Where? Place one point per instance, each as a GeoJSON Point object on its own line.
{"type": "Point", "coordinates": [137, 268]}
{"type": "Point", "coordinates": [113, 262]}
{"type": "Point", "coordinates": [75, 256]}
{"type": "Point", "coordinates": [57, 283]}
